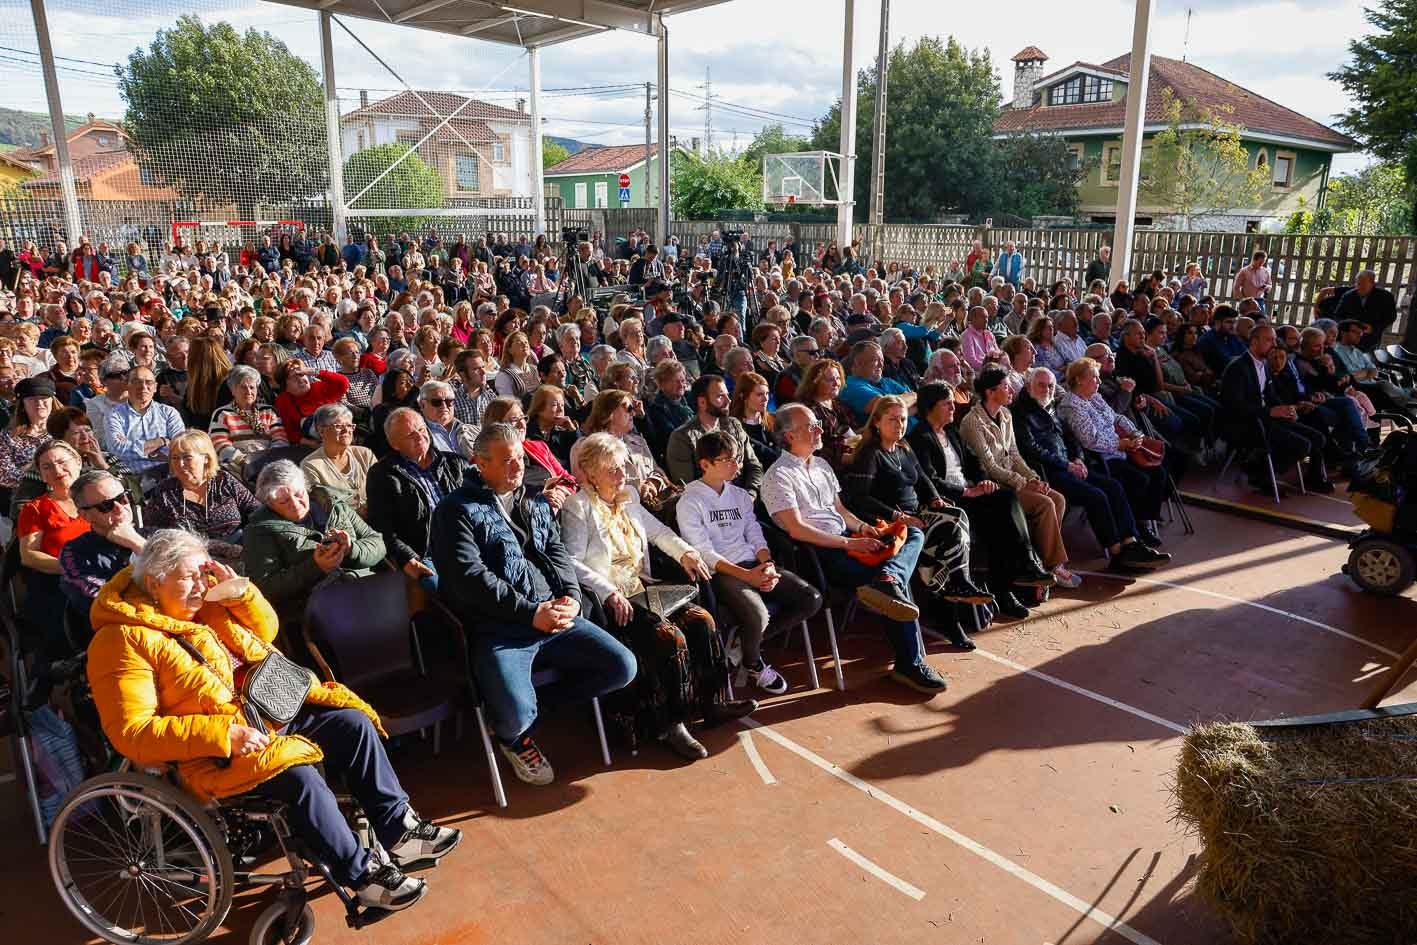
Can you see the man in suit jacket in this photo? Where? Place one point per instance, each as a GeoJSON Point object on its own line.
{"type": "Point", "coordinates": [1250, 414]}
{"type": "Point", "coordinates": [1370, 304]}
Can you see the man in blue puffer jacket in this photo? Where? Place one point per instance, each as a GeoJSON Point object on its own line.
{"type": "Point", "coordinates": [503, 570]}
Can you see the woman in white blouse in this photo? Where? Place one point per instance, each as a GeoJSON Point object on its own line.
{"type": "Point", "coordinates": [682, 669]}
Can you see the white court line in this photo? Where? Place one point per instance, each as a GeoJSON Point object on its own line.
{"type": "Point", "coordinates": [885, 876]}
{"type": "Point", "coordinates": [1086, 909]}
{"type": "Point", "coordinates": [1064, 684]}
{"type": "Point", "coordinates": [756, 759]}
{"type": "Point", "coordinates": [1248, 603]}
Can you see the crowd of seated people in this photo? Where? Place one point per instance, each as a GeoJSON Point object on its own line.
{"type": "Point", "coordinates": [459, 411]}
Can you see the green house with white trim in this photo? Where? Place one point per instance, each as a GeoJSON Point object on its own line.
{"type": "Point", "coordinates": [590, 179]}
{"type": "Point", "coordinates": [1086, 104]}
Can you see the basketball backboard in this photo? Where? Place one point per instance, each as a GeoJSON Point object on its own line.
{"type": "Point", "coordinates": [803, 177]}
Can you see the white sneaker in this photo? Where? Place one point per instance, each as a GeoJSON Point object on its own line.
{"type": "Point", "coordinates": [386, 887]}
{"type": "Point", "coordinates": [528, 763]}
{"type": "Point", "coordinates": [423, 841]}
{"type": "Point", "coordinates": [767, 679]}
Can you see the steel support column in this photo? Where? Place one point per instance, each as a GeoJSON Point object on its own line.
{"type": "Point", "coordinates": [846, 184]}
{"type": "Point", "coordinates": [68, 191]}
{"type": "Point", "coordinates": [538, 181]}
{"type": "Point", "coordinates": [332, 132]}
{"type": "Point", "coordinates": [661, 231]}
{"type": "Point", "coordinates": [1131, 143]}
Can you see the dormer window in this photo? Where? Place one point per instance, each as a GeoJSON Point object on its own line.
{"type": "Point", "coordinates": [1081, 90]}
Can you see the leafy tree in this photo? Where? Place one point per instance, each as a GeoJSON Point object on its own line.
{"type": "Point", "coordinates": [1374, 201]}
{"type": "Point", "coordinates": [943, 99]}
{"type": "Point", "coordinates": [411, 183]}
{"type": "Point", "coordinates": [1197, 164]}
{"type": "Point", "coordinates": [552, 153]}
{"type": "Point", "coordinates": [702, 186]}
{"type": "Point", "coordinates": [224, 118]}
{"type": "Point", "coordinates": [1035, 176]}
{"type": "Point", "coordinates": [1371, 202]}
{"type": "Point", "coordinates": [1378, 77]}
{"type": "Point", "coordinates": [773, 139]}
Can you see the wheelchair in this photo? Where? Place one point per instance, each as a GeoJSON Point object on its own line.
{"type": "Point", "coordinates": [138, 861]}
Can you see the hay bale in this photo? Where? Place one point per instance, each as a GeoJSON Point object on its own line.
{"type": "Point", "coordinates": [1310, 833]}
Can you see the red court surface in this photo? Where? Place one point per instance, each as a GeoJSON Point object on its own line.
{"type": "Point", "coordinates": [1027, 805]}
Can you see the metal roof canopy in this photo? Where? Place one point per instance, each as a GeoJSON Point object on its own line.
{"type": "Point", "coordinates": [525, 23]}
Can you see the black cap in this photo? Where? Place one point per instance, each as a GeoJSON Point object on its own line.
{"type": "Point", "coordinates": [34, 387]}
{"type": "Point", "coordinates": [655, 287]}
{"type": "Point", "coordinates": [671, 318]}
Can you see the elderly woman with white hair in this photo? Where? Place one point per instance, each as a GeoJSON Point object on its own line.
{"type": "Point", "coordinates": [682, 669]}
{"type": "Point", "coordinates": [579, 373]}
{"type": "Point", "coordinates": [339, 467]}
{"type": "Point", "coordinates": [171, 631]}
{"type": "Point", "coordinates": [292, 542]}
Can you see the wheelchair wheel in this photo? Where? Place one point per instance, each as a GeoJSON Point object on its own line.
{"type": "Point", "coordinates": [138, 862]}
{"type": "Point", "coordinates": [1382, 566]}
{"type": "Point", "coordinates": [272, 927]}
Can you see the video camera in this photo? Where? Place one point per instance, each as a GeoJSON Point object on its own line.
{"type": "Point", "coordinates": [730, 237]}
{"type": "Point", "coordinates": [573, 235]}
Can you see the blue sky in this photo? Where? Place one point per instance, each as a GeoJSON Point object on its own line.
{"type": "Point", "coordinates": [783, 57]}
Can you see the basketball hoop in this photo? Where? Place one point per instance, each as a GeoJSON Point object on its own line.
{"type": "Point", "coordinates": [807, 177]}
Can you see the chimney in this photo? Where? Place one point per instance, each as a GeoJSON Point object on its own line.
{"type": "Point", "coordinates": [363, 98]}
{"type": "Point", "coordinates": [521, 106]}
{"type": "Point", "coordinates": [90, 118]}
{"type": "Point", "coordinates": [44, 139]}
{"type": "Point", "coordinates": [1028, 69]}
{"type": "Point", "coordinates": [694, 145]}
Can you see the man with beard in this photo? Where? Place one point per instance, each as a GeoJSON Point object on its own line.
{"type": "Point", "coordinates": [709, 398]}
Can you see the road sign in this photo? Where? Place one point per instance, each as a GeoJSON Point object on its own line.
{"type": "Point", "coordinates": [624, 183]}
{"type": "Point", "coordinates": [625, 195]}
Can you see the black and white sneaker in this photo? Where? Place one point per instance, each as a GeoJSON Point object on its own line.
{"type": "Point", "coordinates": [423, 841]}
{"type": "Point", "coordinates": [528, 763]}
{"type": "Point", "coordinates": [386, 887]}
{"type": "Point", "coordinates": [887, 599]}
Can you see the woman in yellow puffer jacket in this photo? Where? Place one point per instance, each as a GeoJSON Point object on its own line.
{"type": "Point", "coordinates": [159, 703]}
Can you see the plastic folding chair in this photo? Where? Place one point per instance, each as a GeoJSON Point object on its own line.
{"type": "Point", "coordinates": [361, 629]}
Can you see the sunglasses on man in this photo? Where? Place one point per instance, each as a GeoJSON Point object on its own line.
{"type": "Point", "coordinates": [106, 505]}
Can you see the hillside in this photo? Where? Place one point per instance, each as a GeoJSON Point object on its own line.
{"type": "Point", "coordinates": [22, 129]}
{"type": "Point", "coordinates": [570, 144]}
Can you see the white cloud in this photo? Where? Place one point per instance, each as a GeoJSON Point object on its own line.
{"type": "Point", "coordinates": [783, 56]}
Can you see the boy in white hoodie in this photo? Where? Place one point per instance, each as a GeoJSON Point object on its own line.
{"type": "Point", "coordinates": [716, 517]}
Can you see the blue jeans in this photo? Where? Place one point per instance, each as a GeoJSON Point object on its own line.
{"type": "Point", "coordinates": [840, 566]}
{"type": "Point", "coordinates": [589, 661]}
{"type": "Point", "coordinates": [352, 747]}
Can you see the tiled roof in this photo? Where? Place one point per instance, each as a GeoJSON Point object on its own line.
{"type": "Point", "coordinates": [84, 168]}
{"type": "Point", "coordinates": [93, 124]}
{"type": "Point", "coordinates": [1028, 53]}
{"type": "Point", "coordinates": [602, 160]}
{"type": "Point", "coordinates": [475, 132]}
{"type": "Point", "coordinates": [1189, 83]}
{"type": "Point", "coordinates": [406, 105]}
